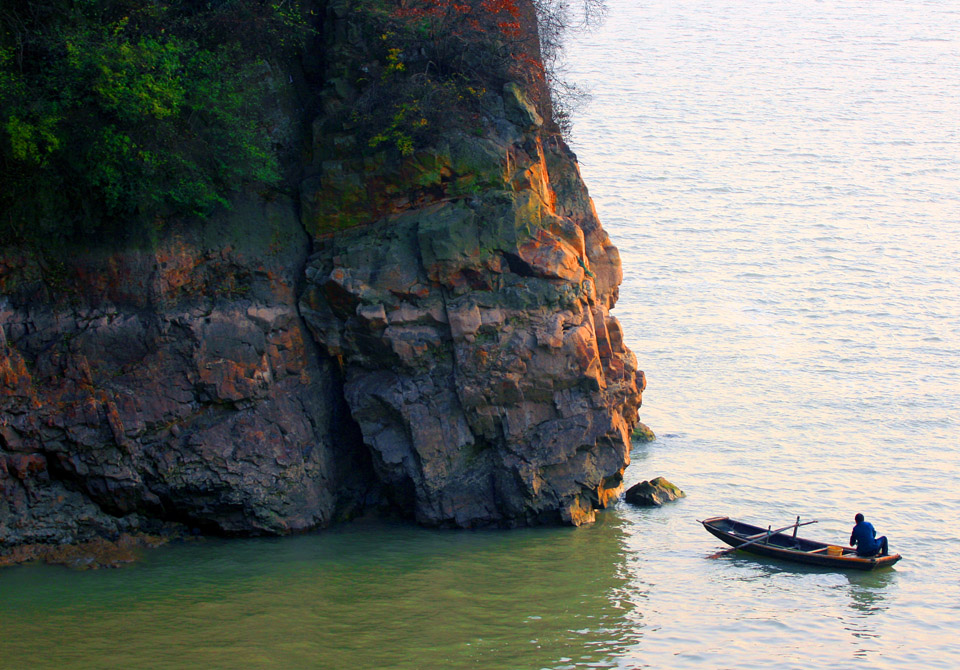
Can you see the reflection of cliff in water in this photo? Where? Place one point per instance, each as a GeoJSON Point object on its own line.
{"type": "Point", "coordinates": [367, 595]}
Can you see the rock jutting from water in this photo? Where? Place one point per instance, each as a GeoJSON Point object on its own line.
{"type": "Point", "coordinates": [643, 433]}
{"type": "Point", "coordinates": [449, 355]}
{"type": "Point", "coordinates": [479, 356]}
{"type": "Point", "coordinates": [653, 493]}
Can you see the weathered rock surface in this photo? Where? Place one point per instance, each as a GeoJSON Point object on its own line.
{"type": "Point", "coordinates": [481, 362]}
{"type": "Point", "coordinates": [653, 493]}
{"type": "Point", "coordinates": [176, 385]}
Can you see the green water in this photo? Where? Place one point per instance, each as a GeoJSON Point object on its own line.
{"type": "Point", "coordinates": [364, 596]}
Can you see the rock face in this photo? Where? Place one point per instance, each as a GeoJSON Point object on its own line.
{"type": "Point", "coordinates": [450, 354]}
{"type": "Point", "coordinates": [175, 385]}
{"type": "Point", "coordinates": [653, 493]}
{"type": "Point", "coordinates": [479, 355]}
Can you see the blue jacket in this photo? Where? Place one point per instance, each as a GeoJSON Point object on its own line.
{"type": "Point", "coordinates": [863, 538]}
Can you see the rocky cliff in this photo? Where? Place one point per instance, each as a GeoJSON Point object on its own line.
{"type": "Point", "coordinates": [427, 334]}
{"type": "Point", "coordinates": [178, 384]}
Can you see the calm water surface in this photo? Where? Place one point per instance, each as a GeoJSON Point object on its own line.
{"type": "Point", "coordinates": [781, 177]}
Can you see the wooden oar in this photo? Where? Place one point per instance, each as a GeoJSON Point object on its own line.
{"type": "Point", "coordinates": [763, 537]}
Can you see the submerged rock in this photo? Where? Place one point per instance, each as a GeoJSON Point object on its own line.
{"type": "Point", "coordinates": [653, 493]}
{"type": "Point", "coordinates": [94, 554]}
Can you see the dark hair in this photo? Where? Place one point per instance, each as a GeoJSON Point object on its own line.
{"type": "Point", "coordinates": [858, 518]}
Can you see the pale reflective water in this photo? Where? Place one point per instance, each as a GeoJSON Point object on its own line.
{"type": "Point", "coordinates": [783, 180]}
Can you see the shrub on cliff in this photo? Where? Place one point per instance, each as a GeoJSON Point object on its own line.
{"type": "Point", "coordinates": [115, 108]}
{"type": "Point", "coordinates": [425, 65]}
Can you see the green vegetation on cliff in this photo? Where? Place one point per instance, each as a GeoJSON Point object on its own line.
{"type": "Point", "coordinates": [115, 114]}
{"type": "Point", "coordinates": [412, 67]}
{"type": "Point", "coordinates": [410, 95]}
{"type": "Point", "coordinates": [113, 109]}
{"type": "Point", "coordinates": [401, 73]}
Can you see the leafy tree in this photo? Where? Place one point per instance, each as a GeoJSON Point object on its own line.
{"type": "Point", "coordinates": [112, 110]}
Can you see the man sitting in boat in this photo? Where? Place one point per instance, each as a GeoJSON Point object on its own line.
{"type": "Point", "coordinates": [865, 539]}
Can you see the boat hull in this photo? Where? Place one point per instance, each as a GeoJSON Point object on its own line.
{"type": "Point", "coordinates": [789, 548]}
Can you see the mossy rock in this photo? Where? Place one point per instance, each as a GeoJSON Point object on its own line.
{"type": "Point", "coordinates": [449, 239]}
{"type": "Point", "coordinates": [520, 110]}
{"type": "Point", "coordinates": [642, 434]}
{"type": "Point", "coordinates": [424, 169]}
{"type": "Point", "coordinates": [481, 158]}
{"type": "Point", "coordinates": [653, 493]}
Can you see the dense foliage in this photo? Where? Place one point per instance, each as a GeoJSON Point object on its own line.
{"type": "Point", "coordinates": [426, 64]}
{"type": "Point", "coordinates": [421, 66]}
{"type": "Point", "coordinates": [117, 109]}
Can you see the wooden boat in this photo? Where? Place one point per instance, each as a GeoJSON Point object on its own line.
{"type": "Point", "coordinates": [789, 547]}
